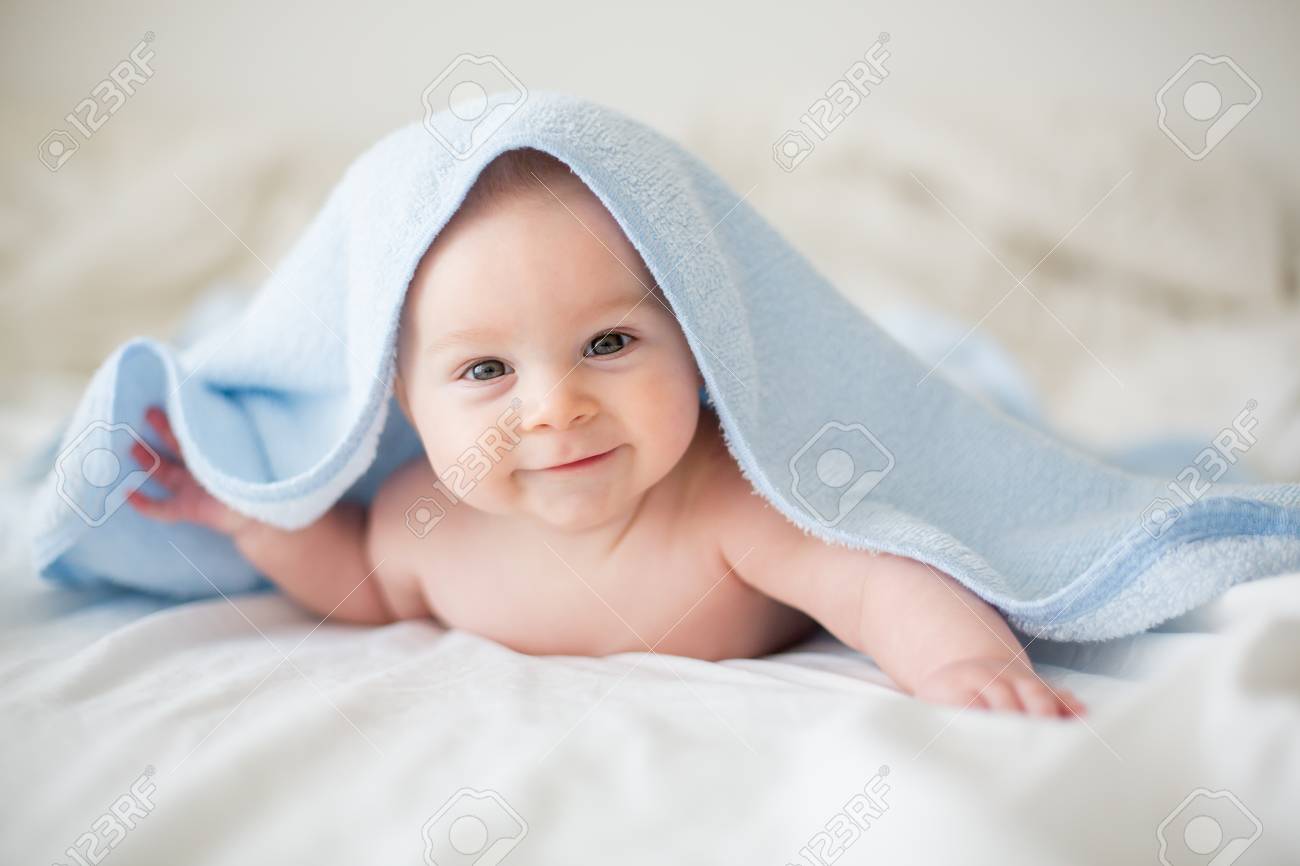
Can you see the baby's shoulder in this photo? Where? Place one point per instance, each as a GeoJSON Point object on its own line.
{"type": "Point", "coordinates": [403, 513]}
{"type": "Point", "coordinates": [394, 542]}
{"type": "Point", "coordinates": [402, 487]}
{"type": "Point", "coordinates": [718, 487]}
{"type": "Point", "coordinates": [739, 517]}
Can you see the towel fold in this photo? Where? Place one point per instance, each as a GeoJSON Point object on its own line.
{"type": "Point", "coordinates": [840, 427]}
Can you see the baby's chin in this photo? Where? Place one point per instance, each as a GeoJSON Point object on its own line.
{"type": "Point", "coordinates": [568, 506]}
{"type": "Point", "coordinates": [575, 511]}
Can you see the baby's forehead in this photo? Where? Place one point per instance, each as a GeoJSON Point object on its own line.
{"type": "Point", "coordinates": [528, 215]}
{"type": "Point", "coordinates": [576, 300]}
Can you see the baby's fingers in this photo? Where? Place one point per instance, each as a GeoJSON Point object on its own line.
{"type": "Point", "coordinates": [174, 477]}
{"type": "Point", "coordinates": [188, 502]}
{"type": "Point", "coordinates": [1070, 705]}
{"type": "Point", "coordinates": [156, 509]}
{"type": "Point", "coordinates": [157, 419]}
{"type": "Point", "coordinates": [1041, 699]}
{"type": "Point", "coordinates": [999, 694]}
{"type": "Point", "coordinates": [1037, 697]}
{"type": "Point", "coordinates": [169, 474]}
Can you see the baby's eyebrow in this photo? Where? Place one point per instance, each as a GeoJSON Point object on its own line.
{"type": "Point", "coordinates": [460, 337]}
{"type": "Point", "coordinates": [484, 335]}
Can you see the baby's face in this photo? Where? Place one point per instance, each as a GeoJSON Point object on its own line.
{"type": "Point", "coordinates": [518, 301]}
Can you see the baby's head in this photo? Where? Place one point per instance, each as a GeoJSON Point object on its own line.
{"type": "Point", "coordinates": [532, 293]}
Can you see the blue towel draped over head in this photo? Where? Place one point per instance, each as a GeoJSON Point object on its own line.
{"type": "Point", "coordinates": [827, 415]}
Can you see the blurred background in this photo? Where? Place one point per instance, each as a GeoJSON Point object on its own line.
{"type": "Point", "coordinates": [155, 158]}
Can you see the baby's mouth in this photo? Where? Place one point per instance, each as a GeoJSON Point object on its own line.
{"type": "Point", "coordinates": [584, 463]}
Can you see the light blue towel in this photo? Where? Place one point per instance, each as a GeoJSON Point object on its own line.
{"type": "Point", "coordinates": [827, 415]}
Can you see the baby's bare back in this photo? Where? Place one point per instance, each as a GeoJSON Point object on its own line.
{"type": "Point", "coordinates": [664, 585]}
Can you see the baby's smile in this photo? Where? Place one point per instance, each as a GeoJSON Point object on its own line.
{"type": "Point", "coordinates": [599, 458]}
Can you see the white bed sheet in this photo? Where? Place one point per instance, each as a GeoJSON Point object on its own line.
{"type": "Point", "coordinates": [343, 753]}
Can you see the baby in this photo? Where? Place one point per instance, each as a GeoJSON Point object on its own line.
{"type": "Point", "coordinates": [615, 520]}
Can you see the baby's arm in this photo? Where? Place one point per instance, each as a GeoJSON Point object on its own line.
{"type": "Point", "coordinates": [930, 634]}
{"type": "Point", "coordinates": [325, 567]}
{"type": "Point", "coordinates": [943, 643]}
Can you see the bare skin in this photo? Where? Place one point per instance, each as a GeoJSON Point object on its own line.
{"type": "Point", "coordinates": [660, 544]}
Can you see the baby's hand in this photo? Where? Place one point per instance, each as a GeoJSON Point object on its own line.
{"type": "Point", "coordinates": [992, 684]}
{"type": "Point", "coordinates": [188, 502]}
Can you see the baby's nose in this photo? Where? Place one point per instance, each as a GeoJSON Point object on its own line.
{"type": "Point", "coordinates": [558, 402]}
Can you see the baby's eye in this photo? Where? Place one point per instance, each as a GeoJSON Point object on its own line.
{"type": "Point", "coordinates": [608, 344]}
{"type": "Point", "coordinates": [485, 371]}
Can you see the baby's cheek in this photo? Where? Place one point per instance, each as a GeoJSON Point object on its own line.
{"type": "Point", "coordinates": [665, 417]}
{"type": "Point", "coordinates": [670, 400]}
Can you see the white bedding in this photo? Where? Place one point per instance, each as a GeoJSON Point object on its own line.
{"type": "Point", "coordinates": [343, 752]}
